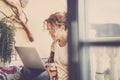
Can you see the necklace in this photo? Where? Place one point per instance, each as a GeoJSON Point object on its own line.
{"type": "Point", "coordinates": [52, 53]}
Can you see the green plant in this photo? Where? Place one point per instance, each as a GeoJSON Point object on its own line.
{"type": "Point", "coordinates": [7, 40]}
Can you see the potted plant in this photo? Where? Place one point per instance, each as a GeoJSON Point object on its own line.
{"type": "Point", "coordinates": [7, 40]}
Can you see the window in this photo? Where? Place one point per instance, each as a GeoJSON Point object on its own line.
{"type": "Point", "coordinates": [94, 39]}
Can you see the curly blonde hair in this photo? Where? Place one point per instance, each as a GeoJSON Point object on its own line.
{"type": "Point", "coordinates": [58, 18]}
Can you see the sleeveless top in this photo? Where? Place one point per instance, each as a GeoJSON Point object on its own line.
{"type": "Point", "coordinates": [61, 55]}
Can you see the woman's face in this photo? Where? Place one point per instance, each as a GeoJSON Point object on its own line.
{"type": "Point", "coordinates": [58, 34]}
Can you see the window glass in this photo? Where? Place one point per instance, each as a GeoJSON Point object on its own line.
{"type": "Point", "coordinates": [99, 19]}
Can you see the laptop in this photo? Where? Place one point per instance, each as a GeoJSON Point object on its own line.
{"type": "Point", "coordinates": [30, 57]}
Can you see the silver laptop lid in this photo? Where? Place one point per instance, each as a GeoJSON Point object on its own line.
{"type": "Point", "coordinates": [30, 57]}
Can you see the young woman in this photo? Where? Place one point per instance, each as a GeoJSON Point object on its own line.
{"type": "Point", "coordinates": [56, 26]}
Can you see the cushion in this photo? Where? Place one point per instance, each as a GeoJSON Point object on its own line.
{"type": "Point", "coordinates": [9, 73]}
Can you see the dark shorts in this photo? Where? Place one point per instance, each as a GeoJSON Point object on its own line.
{"type": "Point", "coordinates": [34, 74]}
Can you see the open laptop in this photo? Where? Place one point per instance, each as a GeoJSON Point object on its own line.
{"type": "Point", "coordinates": [30, 57]}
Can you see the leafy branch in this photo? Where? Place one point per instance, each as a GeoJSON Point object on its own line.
{"type": "Point", "coordinates": [7, 40]}
{"type": "Point", "coordinates": [18, 17]}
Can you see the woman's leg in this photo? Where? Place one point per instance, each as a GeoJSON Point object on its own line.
{"type": "Point", "coordinates": [43, 76]}
{"type": "Point", "coordinates": [33, 74]}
